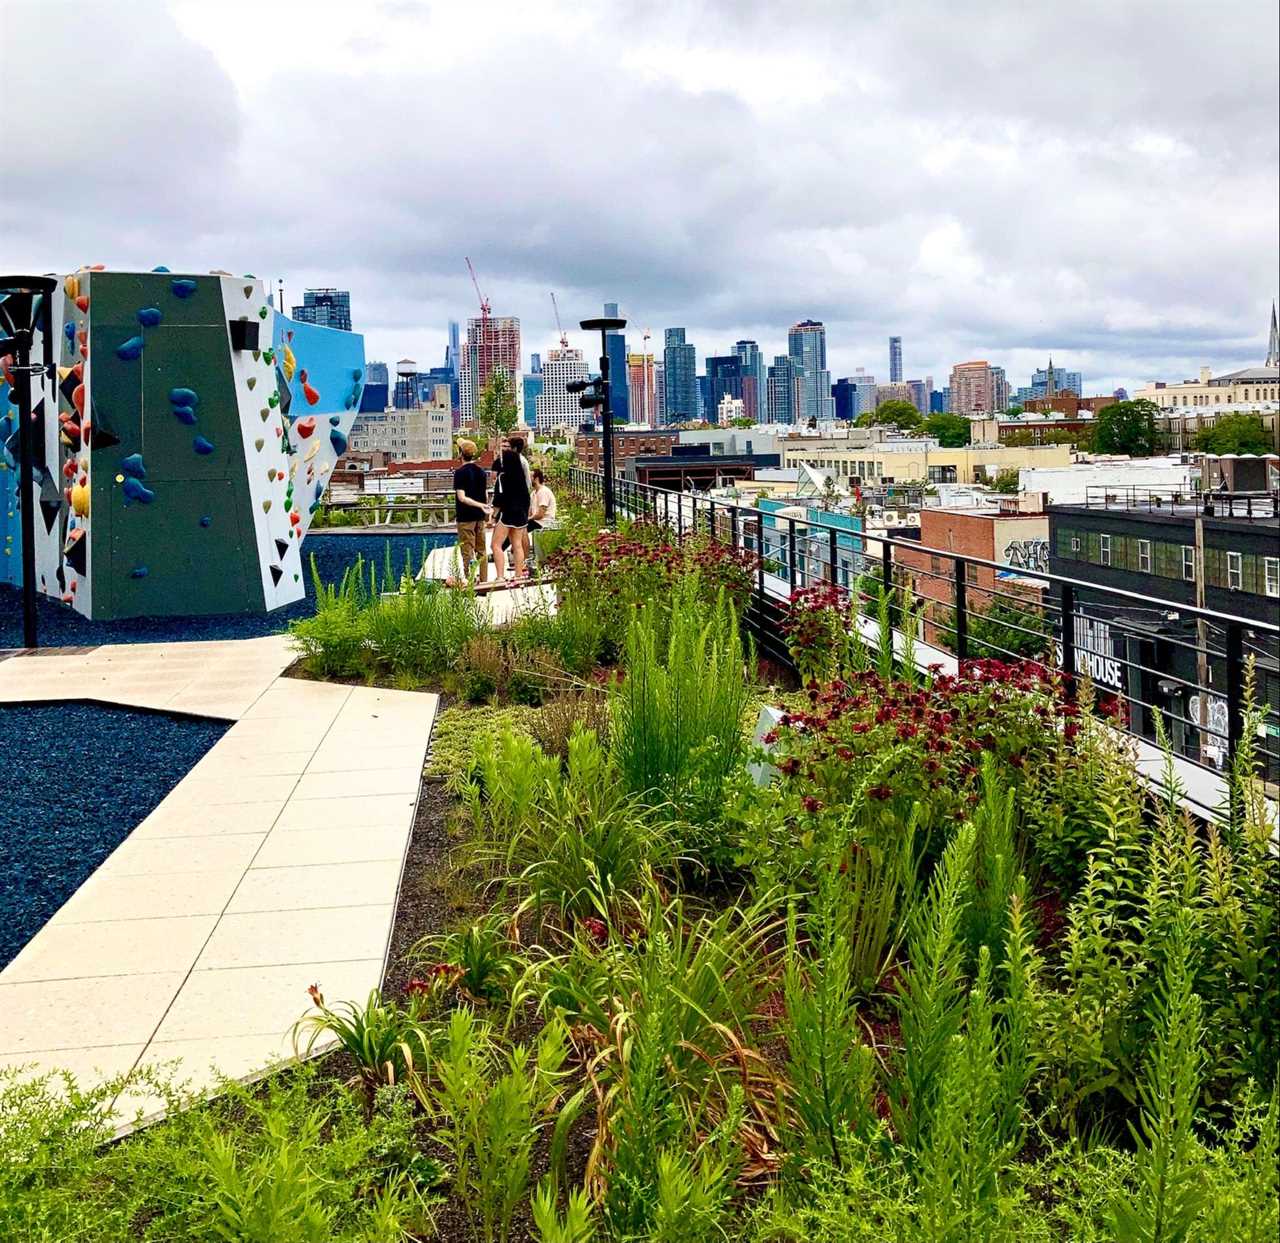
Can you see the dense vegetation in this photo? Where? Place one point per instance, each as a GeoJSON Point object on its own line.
{"type": "Point", "coordinates": [945, 971]}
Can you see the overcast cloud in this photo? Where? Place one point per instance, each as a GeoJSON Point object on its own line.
{"type": "Point", "coordinates": [997, 180]}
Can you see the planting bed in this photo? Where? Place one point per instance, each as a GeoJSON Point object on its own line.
{"type": "Point", "coordinates": [80, 777]}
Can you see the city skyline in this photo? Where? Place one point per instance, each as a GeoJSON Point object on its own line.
{"type": "Point", "coordinates": [1139, 269]}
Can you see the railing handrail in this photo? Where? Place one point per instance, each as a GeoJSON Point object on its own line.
{"type": "Point", "coordinates": [1196, 613]}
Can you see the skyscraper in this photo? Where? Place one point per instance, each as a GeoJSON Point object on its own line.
{"type": "Point", "coordinates": [919, 395]}
{"type": "Point", "coordinates": [972, 388]}
{"type": "Point", "coordinates": [531, 387]}
{"type": "Point", "coordinates": [807, 346]}
{"type": "Point", "coordinates": [330, 308]}
{"type": "Point", "coordinates": [376, 373]}
{"type": "Point", "coordinates": [493, 343]}
{"type": "Point", "coordinates": [659, 393]}
{"type": "Point", "coordinates": [755, 381]}
{"type": "Point", "coordinates": [556, 408]}
{"type": "Point", "coordinates": [786, 381]}
{"type": "Point", "coordinates": [999, 390]}
{"type": "Point", "coordinates": [642, 389]}
{"type": "Point", "coordinates": [616, 347]}
{"type": "Point", "coordinates": [1063, 382]}
{"type": "Point", "coordinates": [724, 379]}
{"type": "Point", "coordinates": [680, 368]}
{"type": "Point", "coordinates": [895, 360]}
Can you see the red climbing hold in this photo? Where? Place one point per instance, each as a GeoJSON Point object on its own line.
{"type": "Point", "coordinates": [83, 302]}
{"type": "Point", "coordinates": [69, 469]}
{"type": "Point", "coordinates": [310, 393]}
{"type": "Point", "coordinates": [78, 371]}
{"type": "Point", "coordinates": [77, 399]}
{"type": "Point", "coordinates": [304, 427]}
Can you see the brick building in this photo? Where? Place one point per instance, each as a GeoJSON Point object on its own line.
{"type": "Point", "coordinates": [627, 445]}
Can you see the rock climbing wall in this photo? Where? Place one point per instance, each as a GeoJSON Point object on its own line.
{"type": "Point", "coordinates": [194, 431]}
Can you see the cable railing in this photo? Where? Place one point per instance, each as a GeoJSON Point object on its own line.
{"type": "Point", "coordinates": [1157, 665]}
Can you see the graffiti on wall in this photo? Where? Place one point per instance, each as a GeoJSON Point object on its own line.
{"type": "Point", "coordinates": [182, 445]}
{"type": "Point", "coordinates": [1027, 554]}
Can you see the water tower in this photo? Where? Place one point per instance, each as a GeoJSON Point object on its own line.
{"type": "Point", "coordinates": [406, 394]}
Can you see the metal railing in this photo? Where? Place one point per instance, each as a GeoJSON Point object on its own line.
{"type": "Point", "coordinates": [1147, 657]}
{"type": "Point", "coordinates": [1155, 500]}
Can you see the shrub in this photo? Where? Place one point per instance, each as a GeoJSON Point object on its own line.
{"type": "Point", "coordinates": [555, 724]}
{"type": "Point", "coordinates": [484, 668]}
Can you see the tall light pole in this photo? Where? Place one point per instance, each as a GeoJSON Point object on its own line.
{"type": "Point", "coordinates": [601, 397]}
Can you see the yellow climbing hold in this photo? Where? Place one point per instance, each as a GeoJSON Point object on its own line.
{"type": "Point", "coordinates": [289, 363]}
{"type": "Point", "coordinates": [80, 501]}
{"type": "Point", "coordinates": [71, 287]}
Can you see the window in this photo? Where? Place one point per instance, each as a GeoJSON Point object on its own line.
{"type": "Point", "coordinates": [1106, 550]}
{"type": "Point", "coordinates": [1075, 543]}
{"type": "Point", "coordinates": [1188, 563]}
{"type": "Point", "coordinates": [1271, 574]}
{"type": "Point", "coordinates": [1144, 556]}
{"type": "Point", "coordinates": [935, 565]}
{"type": "Point", "coordinates": [1235, 571]}
{"type": "Point", "coordinates": [970, 573]}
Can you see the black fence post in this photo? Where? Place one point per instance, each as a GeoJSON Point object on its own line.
{"type": "Point", "coordinates": [833, 555]}
{"type": "Point", "coordinates": [962, 613]}
{"type": "Point", "coordinates": [1067, 610]}
{"type": "Point", "coordinates": [733, 526]}
{"type": "Point", "coordinates": [1235, 687]}
{"type": "Point", "coordinates": [791, 553]}
{"type": "Point", "coordinates": [886, 564]}
{"type": "Point", "coordinates": [760, 562]}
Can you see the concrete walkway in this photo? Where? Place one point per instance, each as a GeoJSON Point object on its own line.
{"type": "Point", "coordinates": [275, 864]}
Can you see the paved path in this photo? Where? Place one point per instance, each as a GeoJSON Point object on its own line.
{"type": "Point", "coordinates": [275, 864]}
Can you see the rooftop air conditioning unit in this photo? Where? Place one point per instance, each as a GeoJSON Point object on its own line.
{"type": "Point", "coordinates": [890, 517]}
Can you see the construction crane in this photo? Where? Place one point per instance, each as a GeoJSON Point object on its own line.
{"type": "Point", "coordinates": [647, 382]}
{"type": "Point", "coordinates": [484, 302]}
{"type": "Point", "coordinates": [555, 306]}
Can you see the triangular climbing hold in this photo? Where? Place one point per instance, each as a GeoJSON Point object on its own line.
{"type": "Point", "coordinates": [281, 547]}
{"type": "Point", "coordinates": [276, 574]}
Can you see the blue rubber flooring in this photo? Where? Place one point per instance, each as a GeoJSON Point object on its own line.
{"type": "Point", "coordinates": [60, 626]}
{"type": "Point", "coordinates": [80, 777]}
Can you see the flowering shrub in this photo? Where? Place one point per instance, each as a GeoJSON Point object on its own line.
{"type": "Point", "coordinates": [816, 626]}
{"type": "Point", "coordinates": [621, 571]}
{"type": "Point", "coordinates": [936, 734]}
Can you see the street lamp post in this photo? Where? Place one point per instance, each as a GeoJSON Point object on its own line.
{"type": "Point", "coordinates": [601, 397]}
{"type": "Point", "coordinates": [25, 306]}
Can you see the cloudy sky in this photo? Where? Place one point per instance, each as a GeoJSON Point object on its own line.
{"type": "Point", "coordinates": [1098, 180]}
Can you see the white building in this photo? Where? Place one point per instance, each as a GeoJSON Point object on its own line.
{"type": "Point", "coordinates": [730, 408]}
{"type": "Point", "coordinates": [557, 408]}
{"type": "Point", "coordinates": [1069, 485]}
{"type": "Point", "coordinates": [423, 434]}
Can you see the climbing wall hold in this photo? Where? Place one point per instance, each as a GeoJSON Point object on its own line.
{"type": "Point", "coordinates": [266, 507]}
{"type": "Point", "coordinates": [83, 302]}
{"type": "Point", "coordinates": [338, 441]}
{"type": "Point", "coordinates": [184, 414]}
{"type": "Point", "coordinates": [183, 396]}
{"type": "Point", "coordinates": [76, 551]}
{"type": "Point", "coordinates": [206, 521]}
{"type": "Point", "coordinates": [252, 382]}
{"type": "Point", "coordinates": [304, 427]}
{"type": "Point", "coordinates": [134, 465]}
{"type": "Point", "coordinates": [276, 575]}
{"type": "Point", "coordinates": [288, 363]}
{"type": "Point", "coordinates": [139, 571]}
{"type": "Point", "coordinates": [248, 291]}
{"type": "Point", "coordinates": [262, 313]}
{"type": "Point", "coordinates": [135, 490]}
{"type": "Point", "coordinates": [80, 500]}
{"type": "Point", "coordinates": [257, 444]}
{"type": "Point", "coordinates": [77, 399]}
{"type": "Point", "coordinates": [265, 412]}
{"type": "Point", "coordinates": [312, 395]}
{"type": "Point", "coordinates": [202, 446]}
{"type": "Point", "coordinates": [130, 349]}
{"type": "Point", "coordinates": [160, 268]}
{"type": "Point", "coordinates": [149, 316]}
{"type": "Point", "coordinates": [182, 287]}
{"type": "Point", "coordinates": [69, 331]}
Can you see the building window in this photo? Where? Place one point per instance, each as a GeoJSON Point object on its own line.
{"type": "Point", "coordinates": [970, 573]}
{"type": "Point", "coordinates": [1235, 571]}
{"type": "Point", "coordinates": [1271, 573]}
{"type": "Point", "coordinates": [1188, 563]}
{"type": "Point", "coordinates": [1075, 543]}
{"type": "Point", "coordinates": [1105, 546]}
{"type": "Point", "coordinates": [1144, 556]}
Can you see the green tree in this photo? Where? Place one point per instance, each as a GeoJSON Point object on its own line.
{"type": "Point", "coordinates": [1233, 433]}
{"type": "Point", "coordinates": [742, 422]}
{"type": "Point", "coordinates": [902, 414]}
{"type": "Point", "coordinates": [496, 411]}
{"type": "Point", "coordinates": [950, 430]}
{"type": "Point", "coordinates": [1006, 480]}
{"type": "Point", "coordinates": [1127, 427]}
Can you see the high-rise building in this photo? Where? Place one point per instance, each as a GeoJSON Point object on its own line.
{"type": "Point", "coordinates": [845, 394]}
{"type": "Point", "coordinates": [556, 408]}
{"type": "Point", "coordinates": [893, 392]}
{"type": "Point", "coordinates": [972, 388]}
{"type": "Point", "coordinates": [330, 308]}
{"type": "Point", "coordinates": [755, 381]}
{"type": "Point", "coordinates": [616, 348]}
{"type": "Point", "coordinates": [999, 390]}
{"type": "Point", "coordinates": [807, 346]}
{"type": "Point", "coordinates": [530, 388]}
{"type": "Point", "coordinates": [377, 373]}
{"type": "Point", "coordinates": [919, 390]}
{"type": "Point", "coordinates": [680, 366]}
{"type": "Point", "coordinates": [938, 401]}
{"type": "Point", "coordinates": [659, 393]}
{"type": "Point", "coordinates": [1063, 382]}
{"type": "Point", "coordinates": [724, 379]}
{"type": "Point", "coordinates": [642, 389]}
{"type": "Point", "coordinates": [895, 360]}
{"type": "Point", "coordinates": [493, 344]}
{"type": "Point", "coordinates": [786, 380]}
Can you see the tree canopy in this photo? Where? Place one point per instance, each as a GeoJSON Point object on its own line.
{"type": "Point", "coordinates": [950, 430]}
{"type": "Point", "coordinates": [1126, 427]}
{"type": "Point", "coordinates": [496, 411]}
{"type": "Point", "coordinates": [1233, 433]}
{"type": "Point", "coordinates": [902, 414]}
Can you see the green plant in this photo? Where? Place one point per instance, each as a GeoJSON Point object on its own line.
{"type": "Point", "coordinates": [577, 1224]}
{"type": "Point", "coordinates": [422, 630]}
{"type": "Point", "coordinates": [389, 1043]}
{"type": "Point", "coordinates": [481, 959]}
{"type": "Point", "coordinates": [484, 667]}
{"type": "Point", "coordinates": [332, 642]}
{"type": "Point", "coordinates": [555, 723]}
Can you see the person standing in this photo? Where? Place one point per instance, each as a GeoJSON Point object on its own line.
{"type": "Point", "coordinates": [511, 499]}
{"type": "Point", "coordinates": [471, 511]}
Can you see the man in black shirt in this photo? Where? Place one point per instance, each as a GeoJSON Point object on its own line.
{"type": "Point", "coordinates": [471, 510]}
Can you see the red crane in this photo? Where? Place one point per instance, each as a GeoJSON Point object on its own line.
{"type": "Point", "coordinates": [484, 302]}
{"type": "Point", "coordinates": [564, 341]}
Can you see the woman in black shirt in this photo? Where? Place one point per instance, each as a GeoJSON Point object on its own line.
{"type": "Point", "coordinates": [511, 500]}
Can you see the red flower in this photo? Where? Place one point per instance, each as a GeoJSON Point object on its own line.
{"type": "Point", "coordinates": [880, 792]}
{"type": "Point", "coordinates": [596, 929]}
{"type": "Point", "coordinates": [811, 804]}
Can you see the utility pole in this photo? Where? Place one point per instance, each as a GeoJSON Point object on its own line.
{"type": "Point", "coordinates": [600, 397]}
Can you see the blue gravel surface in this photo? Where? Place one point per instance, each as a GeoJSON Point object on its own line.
{"type": "Point", "coordinates": [60, 626]}
{"type": "Point", "coordinates": [80, 777]}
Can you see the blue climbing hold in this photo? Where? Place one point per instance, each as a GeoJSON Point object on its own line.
{"type": "Point", "coordinates": [139, 571]}
{"type": "Point", "coordinates": [133, 465]}
{"type": "Point", "coordinates": [130, 349]}
{"type": "Point", "coordinates": [134, 490]}
{"type": "Point", "coordinates": [149, 316]}
{"type": "Point", "coordinates": [311, 509]}
{"type": "Point", "coordinates": [160, 268]}
{"type": "Point", "coordinates": [69, 330]}
{"type": "Point", "coordinates": [183, 396]}
{"type": "Point", "coordinates": [335, 419]}
{"type": "Point", "coordinates": [206, 521]}
{"type": "Point", "coordinates": [183, 287]}
{"type": "Point", "coordinates": [338, 441]}
{"type": "Point", "coordinates": [357, 375]}
{"type": "Point", "coordinates": [202, 446]}
{"type": "Point", "coordinates": [185, 414]}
